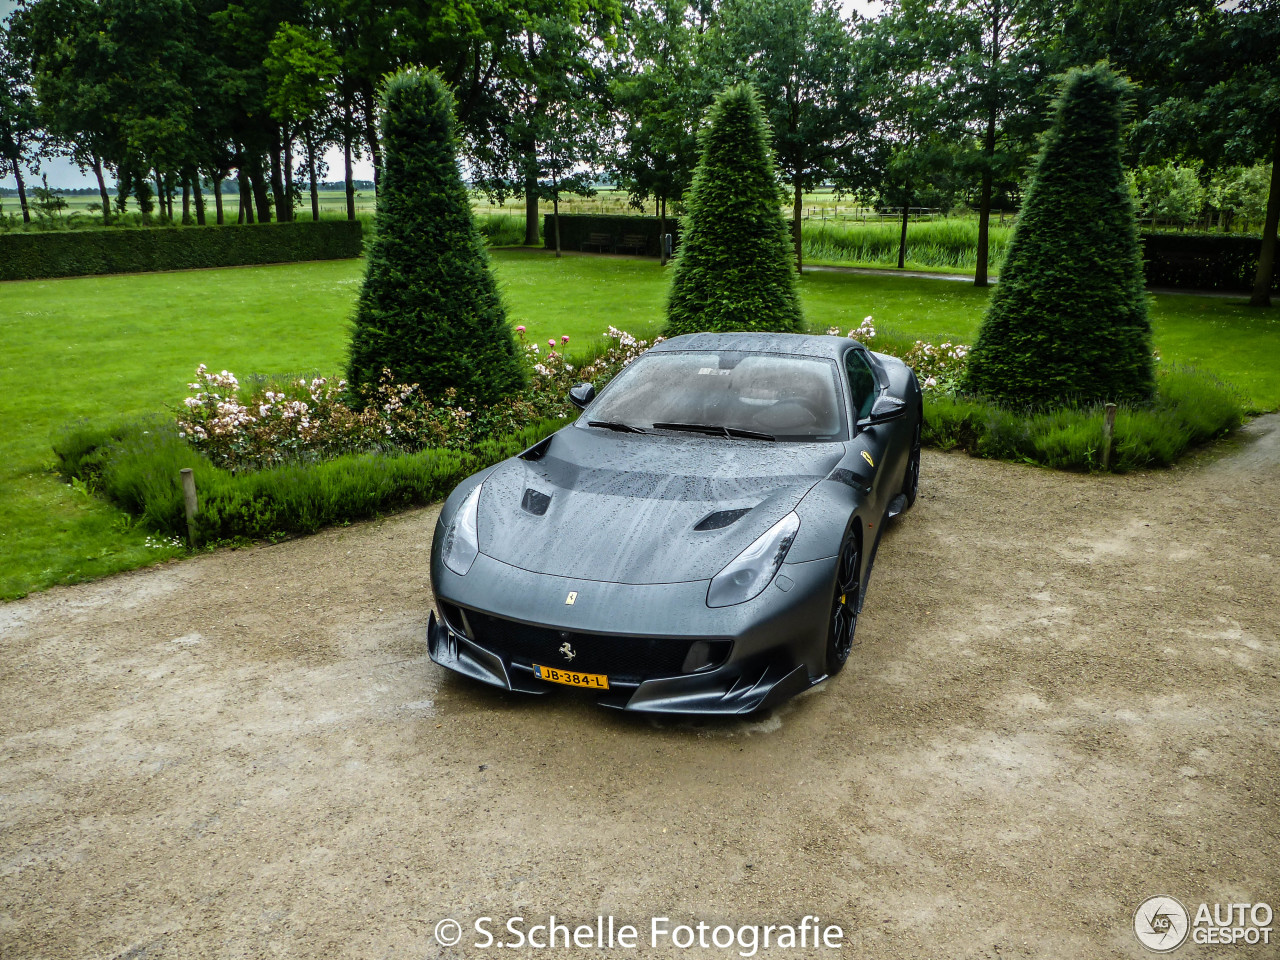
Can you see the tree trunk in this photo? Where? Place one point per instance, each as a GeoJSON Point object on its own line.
{"type": "Point", "coordinates": [247, 196]}
{"type": "Point", "coordinates": [124, 183]}
{"type": "Point", "coordinates": [902, 241]}
{"type": "Point", "coordinates": [186, 201]}
{"type": "Point", "coordinates": [796, 211]}
{"type": "Point", "coordinates": [371, 134]}
{"type": "Point", "coordinates": [531, 208]}
{"type": "Point", "coordinates": [346, 162]}
{"type": "Point", "coordinates": [277, 181]}
{"type": "Point", "coordinates": [217, 198]}
{"type": "Point", "coordinates": [288, 172]}
{"type": "Point", "coordinates": [980, 278]}
{"type": "Point", "coordinates": [311, 174]}
{"type": "Point", "coordinates": [22, 192]}
{"type": "Point", "coordinates": [261, 196]}
{"type": "Point", "coordinates": [102, 188]}
{"type": "Point", "coordinates": [160, 194]}
{"type": "Point", "coordinates": [662, 230]}
{"type": "Point", "coordinates": [199, 192]}
{"type": "Point", "coordinates": [1267, 255]}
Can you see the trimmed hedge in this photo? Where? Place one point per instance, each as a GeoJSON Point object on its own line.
{"type": "Point", "coordinates": [78, 253]}
{"type": "Point", "coordinates": [136, 466]}
{"type": "Point", "coordinates": [576, 230]}
{"type": "Point", "coordinates": [1203, 261]}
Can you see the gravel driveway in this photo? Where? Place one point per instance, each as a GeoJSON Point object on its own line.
{"type": "Point", "coordinates": [1065, 701]}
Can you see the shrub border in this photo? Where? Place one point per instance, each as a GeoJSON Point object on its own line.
{"type": "Point", "coordinates": [136, 466]}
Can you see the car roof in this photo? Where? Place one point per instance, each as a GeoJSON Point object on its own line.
{"type": "Point", "coordinates": [827, 347]}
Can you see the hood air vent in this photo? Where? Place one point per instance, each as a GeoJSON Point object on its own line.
{"type": "Point", "coordinates": [534, 502]}
{"type": "Point", "coordinates": [721, 519]}
{"type": "Point", "coordinates": [538, 450]}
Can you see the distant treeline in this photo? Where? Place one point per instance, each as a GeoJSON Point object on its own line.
{"type": "Point", "coordinates": [231, 187]}
{"type": "Point", "coordinates": [933, 103]}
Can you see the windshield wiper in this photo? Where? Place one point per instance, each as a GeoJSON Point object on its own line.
{"type": "Point", "coordinates": [715, 430]}
{"type": "Point", "coordinates": [616, 425]}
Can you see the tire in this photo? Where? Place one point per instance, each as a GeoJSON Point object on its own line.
{"type": "Point", "coordinates": [845, 602]}
{"type": "Point", "coordinates": [911, 479]}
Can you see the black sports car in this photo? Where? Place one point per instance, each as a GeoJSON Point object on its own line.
{"type": "Point", "coordinates": [699, 540]}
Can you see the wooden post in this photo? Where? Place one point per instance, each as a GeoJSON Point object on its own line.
{"type": "Point", "coordinates": [1108, 428]}
{"type": "Point", "coordinates": [189, 500]}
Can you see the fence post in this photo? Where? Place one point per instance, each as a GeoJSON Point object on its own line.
{"type": "Point", "coordinates": [190, 502]}
{"type": "Point", "coordinates": [1108, 428]}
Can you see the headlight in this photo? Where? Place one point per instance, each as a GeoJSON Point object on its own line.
{"type": "Point", "coordinates": [461, 544]}
{"type": "Point", "coordinates": [753, 569]}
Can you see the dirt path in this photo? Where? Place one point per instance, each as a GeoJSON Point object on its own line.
{"type": "Point", "coordinates": [1066, 700]}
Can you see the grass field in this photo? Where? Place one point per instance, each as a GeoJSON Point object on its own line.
{"type": "Point", "coordinates": [105, 348]}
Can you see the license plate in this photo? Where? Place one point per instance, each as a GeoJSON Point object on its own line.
{"type": "Point", "coordinates": [571, 678]}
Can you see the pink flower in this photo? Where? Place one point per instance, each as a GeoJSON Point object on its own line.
{"type": "Point", "coordinates": [551, 343]}
{"type": "Point", "coordinates": [564, 338]}
{"type": "Point", "coordinates": [520, 329]}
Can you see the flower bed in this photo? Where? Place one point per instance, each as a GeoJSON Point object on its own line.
{"type": "Point", "coordinates": [313, 420]}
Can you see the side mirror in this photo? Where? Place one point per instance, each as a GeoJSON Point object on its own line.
{"type": "Point", "coordinates": [581, 395]}
{"type": "Point", "coordinates": [885, 408]}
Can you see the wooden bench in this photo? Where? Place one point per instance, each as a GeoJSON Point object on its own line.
{"type": "Point", "coordinates": [635, 241]}
{"type": "Point", "coordinates": [601, 241]}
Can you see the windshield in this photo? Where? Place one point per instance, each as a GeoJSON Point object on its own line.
{"type": "Point", "coordinates": [783, 397]}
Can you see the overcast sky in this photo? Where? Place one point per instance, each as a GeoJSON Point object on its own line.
{"type": "Point", "coordinates": [62, 173]}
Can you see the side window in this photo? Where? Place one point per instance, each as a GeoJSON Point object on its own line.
{"type": "Point", "coordinates": [862, 382]}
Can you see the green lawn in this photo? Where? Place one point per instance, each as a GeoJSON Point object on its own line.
{"type": "Point", "coordinates": [106, 348]}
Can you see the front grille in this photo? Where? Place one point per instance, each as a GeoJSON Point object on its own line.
{"type": "Point", "coordinates": [622, 658]}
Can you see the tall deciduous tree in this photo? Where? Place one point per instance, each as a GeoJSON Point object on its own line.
{"type": "Point", "coordinates": [1002, 58]}
{"type": "Point", "coordinates": [549, 74]}
{"type": "Point", "coordinates": [733, 269]}
{"type": "Point", "coordinates": [1068, 322]}
{"type": "Point", "coordinates": [801, 56]}
{"type": "Point", "coordinates": [917, 132]}
{"type": "Point", "coordinates": [19, 119]}
{"type": "Point", "coordinates": [918, 171]}
{"type": "Point", "coordinates": [660, 92]}
{"type": "Point", "coordinates": [61, 40]}
{"type": "Point", "coordinates": [429, 309]}
{"type": "Point", "coordinates": [973, 74]}
{"type": "Point", "coordinates": [301, 67]}
{"type": "Point", "coordinates": [1210, 75]}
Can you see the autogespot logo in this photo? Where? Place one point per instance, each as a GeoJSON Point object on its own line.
{"type": "Point", "coordinates": [1161, 924]}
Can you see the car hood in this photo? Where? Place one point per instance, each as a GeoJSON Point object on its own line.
{"type": "Point", "coordinates": [625, 508]}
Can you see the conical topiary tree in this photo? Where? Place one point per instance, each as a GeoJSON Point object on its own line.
{"type": "Point", "coordinates": [733, 271]}
{"type": "Point", "coordinates": [1068, 321]}
{"type": "Point", "coordinates": [429, 309]}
